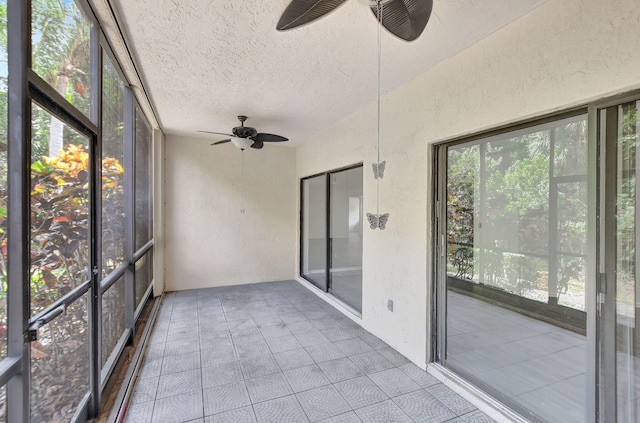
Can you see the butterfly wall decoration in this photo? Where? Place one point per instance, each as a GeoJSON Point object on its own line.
{"type": "Point", "coordinates": [378, 169]}
{"type": "Point", "coordinates": [378, 220]}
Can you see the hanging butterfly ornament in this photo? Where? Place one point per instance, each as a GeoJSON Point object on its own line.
{"type": "Point", "coordinates": [378, 220]}
{"type": "Point", "coordinates": [378, 169]}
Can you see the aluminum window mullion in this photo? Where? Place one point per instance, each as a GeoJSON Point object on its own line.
{"type": "Point", "coordinates": [142, 251]}
{"type": "Point", "coordinates": [569, 179]}
{"type": "Point", "coordinates": [482, 209]}
{"type": "Point", "coordinates": [129, 206]}
{"type": "Point", "coordinates": [112, 361]}
{"type": "Point", "coordinates": [440, 278]}
{"type": "Point", "coordinates": [552, 236]}
{"type": "Point", "coordinates": [81, 414]}
{"type": "Point", "coordinates": [66, 300]}
{"type": "Point", "coordinates": [60, 106]}
{"type": "Point", "coordinates": [328, 240]}
{"type": "Point", "coordinates": [609, 336]}
{"type": "Point", "coordinates": [95, 214]}
{"type": "Point", "coordinates": [113, 277]}
{"type": "Point", "coordinates": [9, 367]}
{"type": "Point", "coordinates": [19, 147]}
{"type": "Point", "coordinates": [301, 237]}
{"type": "Point", "coordinates": [592, 269]}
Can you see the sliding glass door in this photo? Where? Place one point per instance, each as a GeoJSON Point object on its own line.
{"type": "Point", "coordinates": [331, 234]}
{"type": "Point", "coordinates": [513, 271]}
{"type": "Point", "coordinates": [346, 237]}
{"type": "Point", "coordinates": [538, 300]}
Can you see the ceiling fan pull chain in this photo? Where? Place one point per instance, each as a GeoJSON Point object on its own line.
{"type": "Point", "coordinates": [379, 69]}
{"type": "Point", "coordinates": [379, 91]}
{"type": "Point", "coordinates": [242, 192]}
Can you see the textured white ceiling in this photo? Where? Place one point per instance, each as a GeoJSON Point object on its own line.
{"type": "Point", "coordinates": [206, 61]}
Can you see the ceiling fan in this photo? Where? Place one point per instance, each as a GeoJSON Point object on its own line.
{"type": "Point", "coordinates": [246, 136]}
{"type": "Point", "coordinates": [406, 19]}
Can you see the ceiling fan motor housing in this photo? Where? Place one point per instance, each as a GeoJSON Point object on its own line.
{"type": "Point", "coordinates": [244, 132]}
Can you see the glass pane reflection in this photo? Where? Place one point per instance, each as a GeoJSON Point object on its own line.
{"type": "Point", "coordinates": [314, 231]}
{"type": "Point", "coordinates": [346, 236]}
{"type": "Point", "coordinates": [516, 268]}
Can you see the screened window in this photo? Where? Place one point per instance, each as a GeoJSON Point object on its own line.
{"type": "Point", "coordinates": [113, 318]}
{"type": "Point", "coordinates": [60, 365]}
{"type": "Point", "coordinates": [60, 53]}
{"type": "Point", "coordinates": [144, 275]}
{"type": "Point", "coordinates": [143, 181]}
{"type": "Point", "coordinates": [113, 204]}
{"type": "Point", "coordinates": [78, 212]}
{"type": "Point", "coordinates": [59, 252]}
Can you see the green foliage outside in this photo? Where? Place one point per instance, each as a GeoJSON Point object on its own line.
{"type": "Point", "coordinates": [60, 52]}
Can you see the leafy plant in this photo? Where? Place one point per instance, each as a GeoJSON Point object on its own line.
{"type": "Point", "coordinates": [60, 220]}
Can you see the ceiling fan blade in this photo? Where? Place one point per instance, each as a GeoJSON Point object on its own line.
{"type": "Point", "coordinates": [269, 138]}
{"type": "Point", "coordinates": [218, 133]}
{"type": "Point", "coordinates": [406, 19]}
{"type": "Point", "coordinates": [300, 12]}
{"type": "Point", "coordinates": [221, 142]}
{"type": "Point", "coordinates": [257, 144]}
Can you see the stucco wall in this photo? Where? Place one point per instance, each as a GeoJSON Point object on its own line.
{"type": "Point", "coordinates": [563, 54]}
{"type": "Point", "coordinates": [209, 242]}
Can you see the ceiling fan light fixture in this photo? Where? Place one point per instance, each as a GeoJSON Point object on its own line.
{"type": "Point", "coordinates": [245, 136]}
{"type": "Point", "coordinates": [242, 143]}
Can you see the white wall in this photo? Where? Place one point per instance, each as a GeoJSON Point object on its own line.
{"type": "Point", "coordinates": [209, 242]}
{"type": "Point", "coordinates": [563, 54]}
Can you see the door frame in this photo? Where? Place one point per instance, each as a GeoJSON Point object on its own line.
{"type": "Point", "coordinates": [604, 124]}
{"type": "Point", "coordinates": [328, 246]}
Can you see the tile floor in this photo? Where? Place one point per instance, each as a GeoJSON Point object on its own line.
{"type": "Point", "coordinates": [275, 352]}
